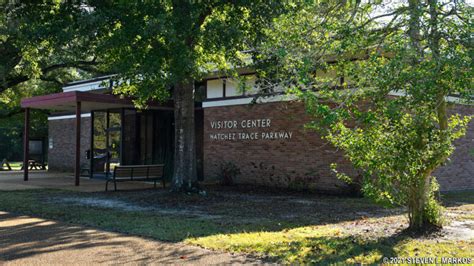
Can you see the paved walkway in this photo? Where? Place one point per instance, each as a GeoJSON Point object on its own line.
{"type": "Point", "coordinates": [31, 241]}
{"type": "Point", "coordinates": [13, 180]}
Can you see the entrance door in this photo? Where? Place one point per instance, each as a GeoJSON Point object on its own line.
{"type": "Point", "coordinates": [148, 138]}
{"type": "Point", "coordinates": [106, 142]}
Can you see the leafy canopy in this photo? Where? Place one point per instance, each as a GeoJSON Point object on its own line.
{"type": "Point", "coordinates": [376, 78]}
{"type": "Point", "coordinates": [156, 44]}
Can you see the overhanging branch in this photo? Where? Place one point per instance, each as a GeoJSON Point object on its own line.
{"type": "Point", "coordinates": [88, 66]}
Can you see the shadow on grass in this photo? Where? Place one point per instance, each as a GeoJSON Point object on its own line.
{"type": "Point", "coordinates": [177, 217]}
{"type": "Point", "coordinates": [36, 236]}
{"type": "Point", "coordinates": [318, 246]}
{"type": "Point", "coordinates": [337, 250]}
{"type": "Point", "coordinates": [26, 237]}
{"type": "Point", "coordinates": [172, 217]}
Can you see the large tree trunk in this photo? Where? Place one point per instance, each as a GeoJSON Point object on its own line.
{"type": "Point", "coordinates": [185, 174]}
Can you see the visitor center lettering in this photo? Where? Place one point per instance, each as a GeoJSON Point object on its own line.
{"type": "Point", "coordinates": [248, 129]}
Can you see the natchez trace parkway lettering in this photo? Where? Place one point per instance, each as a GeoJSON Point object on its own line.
{"type": "Point", "coordinates": [248, 130]}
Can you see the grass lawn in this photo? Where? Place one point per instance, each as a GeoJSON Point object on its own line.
{"type": "Point", "coordinates": [282, 227]}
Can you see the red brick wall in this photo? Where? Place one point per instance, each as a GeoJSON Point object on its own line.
{"type": "Point", "coordinates": [303, 161]}
{"type": "Point", "coordinates": [458, 173]}
{"type": "Point", "coordinates": [300, 162]}
{"type": "Point", "coordinates": [63, 133]}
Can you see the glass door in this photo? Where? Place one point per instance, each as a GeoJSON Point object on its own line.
{"type": "Point", "coordinates": [113, 140]}
{"type": "Point", "coordinates": [106, 142]}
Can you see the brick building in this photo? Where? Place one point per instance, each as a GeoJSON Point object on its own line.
{"type": "Point", "coordinates": [266, 141]}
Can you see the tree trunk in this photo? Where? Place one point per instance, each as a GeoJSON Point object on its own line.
{"type": "Point", "coordinates": [419, 217]}
{"type": "Point", "coordinates": [434, 41]}
{"type": "Point", "coordinates": [185, 174]}
{"type": "Point", "coordinates": [422, 212]}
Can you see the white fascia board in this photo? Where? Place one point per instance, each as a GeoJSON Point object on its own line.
{"type": "Point", "coordinates": [96, 85]}
{"type": "Point", "coordinates": [450, 99]}
{"type": "Point", "coordinates": [61, 117]}
{"type": "Point", "coordinates": [248, 100]}
{"type": "Point", "coordinates": [284, 97]}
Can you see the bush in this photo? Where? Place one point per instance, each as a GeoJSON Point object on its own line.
{"type": "Point", "coordinates": [228, 171]}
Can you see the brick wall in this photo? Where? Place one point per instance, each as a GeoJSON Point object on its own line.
{"type": "Point", "coordinates": [458, 173]}
{"type": "Point", "coordinates": [303, 160]}
{"type": "Point", "coordinates": [63, 133]}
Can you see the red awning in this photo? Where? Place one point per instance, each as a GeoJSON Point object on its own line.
{"type": "Point", "coordinates": [66, 101]}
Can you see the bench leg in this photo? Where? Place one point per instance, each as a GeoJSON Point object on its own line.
{"type": "Point", "coordinates": [164, 185]}
{"type": "Point", "coordinates": [115, 185]}
{"type": "Point", "coordinates": [106, 185]}
{"type": "Point", "coordinates": [154, 184]}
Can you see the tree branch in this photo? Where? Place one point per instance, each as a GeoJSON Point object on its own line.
{"type": "Point", "coordinates": [84, 65]}
{"type": "Point", "coordinates": [75, 64]}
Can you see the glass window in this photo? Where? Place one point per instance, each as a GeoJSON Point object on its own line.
{"type": "Point", "coordinates": [215, 88]}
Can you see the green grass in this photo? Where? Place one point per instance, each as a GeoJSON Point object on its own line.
{"type": "Point", "coordinates": [167, 227]}
{"type": "Point", "coordinates": [276, 240]}
{"type": "Point", "coordinates": [326, 244]}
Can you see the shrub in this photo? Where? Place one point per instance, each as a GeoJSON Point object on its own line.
{"type": "Point", "coordinates": [228, 171]}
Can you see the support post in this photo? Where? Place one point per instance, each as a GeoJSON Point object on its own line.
{"type": "Point", "coordinates": [107, 150]}
{"type": "Point", "coordinates": [91, 168]}
{"type": "Point", "coordinates": [26, 144]}
{"type": "Point", "coordinates": [122, 123]}
{"type": "Point", "coordinates": [77, 169]}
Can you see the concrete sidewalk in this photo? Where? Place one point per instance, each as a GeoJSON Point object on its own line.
{"type": "Point", "coordinates": [31, 241]}
{"type": "Point", "coordinates": [13, 180]}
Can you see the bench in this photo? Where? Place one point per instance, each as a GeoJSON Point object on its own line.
{"type": "Point", "coordinates": [146, 173]}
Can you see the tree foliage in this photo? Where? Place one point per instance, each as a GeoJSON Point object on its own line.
{"type": "Point", "coordinates": [156, 45]}
{"type": "Point", "coordinates": [160, 48]}
{"type": "Point", "coordinates": [43, 45]}
{"type": "Point", "coordinates": [43, 40]}
{"type": "Point", "coordinates": [389, 70]}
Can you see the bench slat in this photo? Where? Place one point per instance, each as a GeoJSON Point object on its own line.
{"type": "Point", "coordinates": [133, 172]}
{"type": "Point", "coordinates": [123, 173]}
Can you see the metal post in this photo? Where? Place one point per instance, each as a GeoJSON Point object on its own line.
{"type": "Point", "coordinates": [26, 144]}
{"type": "Point", "coordinates": [77, 169]}
{"type": "Point", "coordinates": [91, 168]}
{"type": "Point", "coordinates": [122, 123]}
{"type": "Point", "coordinates": [107, 148]}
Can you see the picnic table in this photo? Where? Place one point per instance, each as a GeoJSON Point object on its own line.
{"type": "Point", "coordinates": [5, 163]}
{"type": "Point", "coordinates": [36, 165]}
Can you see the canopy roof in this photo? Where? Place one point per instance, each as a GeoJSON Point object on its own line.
{"type": "Point", "coordinates": [67, 101]}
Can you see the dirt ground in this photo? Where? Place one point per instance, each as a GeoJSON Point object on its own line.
{"type": "Point", "coordinates": [32, 241]}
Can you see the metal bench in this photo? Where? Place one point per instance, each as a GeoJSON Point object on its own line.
{"type": "Point", "coordinates": [145, 173]}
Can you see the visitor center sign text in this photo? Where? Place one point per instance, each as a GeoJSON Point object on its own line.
{"type": "Point", "coordinates": [247, 129]}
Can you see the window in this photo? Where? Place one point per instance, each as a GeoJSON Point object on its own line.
{"type": "Point", "coordinates": [231, 87]}
{"type": "Point", "coordinates": [215, 88]}
{"type": "Point", "coordinates": [250, 88]}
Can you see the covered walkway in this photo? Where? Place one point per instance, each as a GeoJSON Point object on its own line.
{"type": "Point", "coordinates": [77, 102]}
{"type": "Point", "coordinates": [11, 180]}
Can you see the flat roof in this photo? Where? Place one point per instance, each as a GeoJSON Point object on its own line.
{"type": "Point", "coordinates": [67, 101]}
{"type": "Point", "coordinates": [85, 81]}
